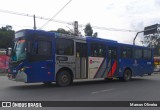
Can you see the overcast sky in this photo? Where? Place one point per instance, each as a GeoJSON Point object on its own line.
{"type": "Point", "coordinates": [120, 14]}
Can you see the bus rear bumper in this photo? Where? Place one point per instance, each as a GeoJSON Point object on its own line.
{"type": "Point", "coordinates": [20, 77]}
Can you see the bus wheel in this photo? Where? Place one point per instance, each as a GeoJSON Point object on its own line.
{"type": "Point", "coordinates": [63, 78]}
{"type": "Point", "coordinates": [127, 75]}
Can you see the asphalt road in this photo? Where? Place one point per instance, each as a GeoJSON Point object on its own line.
{"type": "Point", "coordinates": [145, 88]}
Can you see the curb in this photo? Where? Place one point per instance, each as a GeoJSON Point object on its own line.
{"type": "Point", "coordinates": [3, 74]}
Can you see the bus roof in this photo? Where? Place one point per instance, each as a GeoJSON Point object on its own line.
{"type": "Point", "coordinates": [88, 38]}
{"type": "Point", "coordinates": [100, 39]}
{"type": "Point", "coordinates": [131, 45]}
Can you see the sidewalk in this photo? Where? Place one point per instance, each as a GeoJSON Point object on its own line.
{"type": "Point", "coordinates": [3, 74]}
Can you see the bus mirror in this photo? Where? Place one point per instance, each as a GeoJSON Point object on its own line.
{"type": "Point", "coordinates": [9, 51]}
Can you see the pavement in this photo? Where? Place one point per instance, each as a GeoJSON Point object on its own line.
{"type": "Point", "coordinates": [3, 74]}
{"type": "Point", "coordinates": [138, 89]}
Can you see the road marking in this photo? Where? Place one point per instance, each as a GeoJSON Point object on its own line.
{"type": "Point", "coordinates": [101, 91]}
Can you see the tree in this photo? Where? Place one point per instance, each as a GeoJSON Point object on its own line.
{"type": "Point", "coordinates": [6, 36]}
{"type": "Point", "coordinates": [63, 31]}
{"type": "Point", "coordinates": [152, 38]}
{"type": "Point", "coordinates": [95, 35]}
{"type": "Point", "coordinates": [88, 30]}
{"type": "Point", "coordinates": [154, 42]}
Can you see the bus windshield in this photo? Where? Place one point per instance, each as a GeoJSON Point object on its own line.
{"type": "Point", "coordinates": [19, 50]}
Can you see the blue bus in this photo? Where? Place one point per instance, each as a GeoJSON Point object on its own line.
{"type": "Point", "coordinates": [41, 56]}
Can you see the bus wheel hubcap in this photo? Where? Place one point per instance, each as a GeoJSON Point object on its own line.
{"type": "Point", "coordinates": [64, 78]}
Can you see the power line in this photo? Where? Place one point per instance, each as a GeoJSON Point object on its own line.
{"type": "Point", "coordinates": [56, 14]}
{"type": "Point", "coordinates": [38, 17]}
{"type": "Point", "coordinates": [16, 25]}
{"type": "Point", "coordinates": [16, 13]}
{"type": "Point", "coordinates": [65, 22]}
{"type": "Point", "coordinates": [58, 21]}
{"type": "Point", "coordinates": [114, 29]}
{"type": "Point", "coordinates": [111, 29]}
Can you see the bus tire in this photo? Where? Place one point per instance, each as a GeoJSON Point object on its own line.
{"type": "Point", "coordinates": [126, 76]}
{"type": "Point", "coordinates": [63, 78]}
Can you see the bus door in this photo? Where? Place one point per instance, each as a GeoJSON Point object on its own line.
{"type": "Point", "coordinates": [40, 58]}
{"type": "Point", "coordinates": [112, 62]}
{"type": "Point", "coordinates": [81, 60]}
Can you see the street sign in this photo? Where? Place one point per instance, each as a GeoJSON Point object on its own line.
{"type": "Point", "coordinates": [152, 29]}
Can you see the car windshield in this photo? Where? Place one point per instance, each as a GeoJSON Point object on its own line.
{"type": "Point", "coordinates": [19, 50]}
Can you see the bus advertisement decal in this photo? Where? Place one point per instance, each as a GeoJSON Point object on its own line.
{"type": "Point", "coordinates": [101, 69]}
{"type": "Point", "coordinates": [94, 66]}
{"type": "Point", "coordinates": [107, 69]}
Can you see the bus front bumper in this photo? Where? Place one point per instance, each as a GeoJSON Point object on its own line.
{"type": "Point", "coordinates": [20, 76]}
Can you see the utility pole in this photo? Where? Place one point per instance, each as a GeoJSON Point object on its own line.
{"type": "Point", "coordinates": [34, 18]}
{"type": "Point", "coordinates": [75, 27]}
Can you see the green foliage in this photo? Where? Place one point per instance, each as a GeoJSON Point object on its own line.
{"type": "Point", "coordinates": [95, 35]}
{"type": "Point", "coordinates": [154, 42]}
{"type": "Point", "coordinates": [63, 31]}
{"type": "Point", "coordinates": [6, 37]}
{"type": "Point", "coordinates": [88, 30]}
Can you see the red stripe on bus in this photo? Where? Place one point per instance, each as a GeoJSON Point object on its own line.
{"type": "Point", "coordinates": [113, 69]}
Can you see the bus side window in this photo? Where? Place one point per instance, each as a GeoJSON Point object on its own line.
{"type": "Point", "coordinates": [126, 52]}
{"type": "Point", "coordinates": [64, 46]}
{"type": "Point", "coordinates": [138, 53]}
{"type": "Point", "coordinates": [110, 53]}
{"type": "Point", "coordinates": [35, 47]}
{"type": "Point", "coordinates": [147, 54]}
{"type": "Point", "coordinates": [114, 54]}
{"type": "Point", "coordinates": [98, 50]}
{"type": "Point", "coordinates": [40, 47]}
